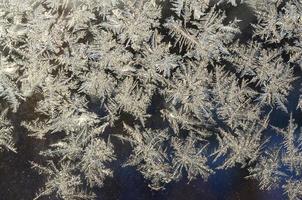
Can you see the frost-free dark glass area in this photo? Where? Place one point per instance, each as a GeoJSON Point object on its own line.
{"type": "Point", "coordinates": [150, 99]}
